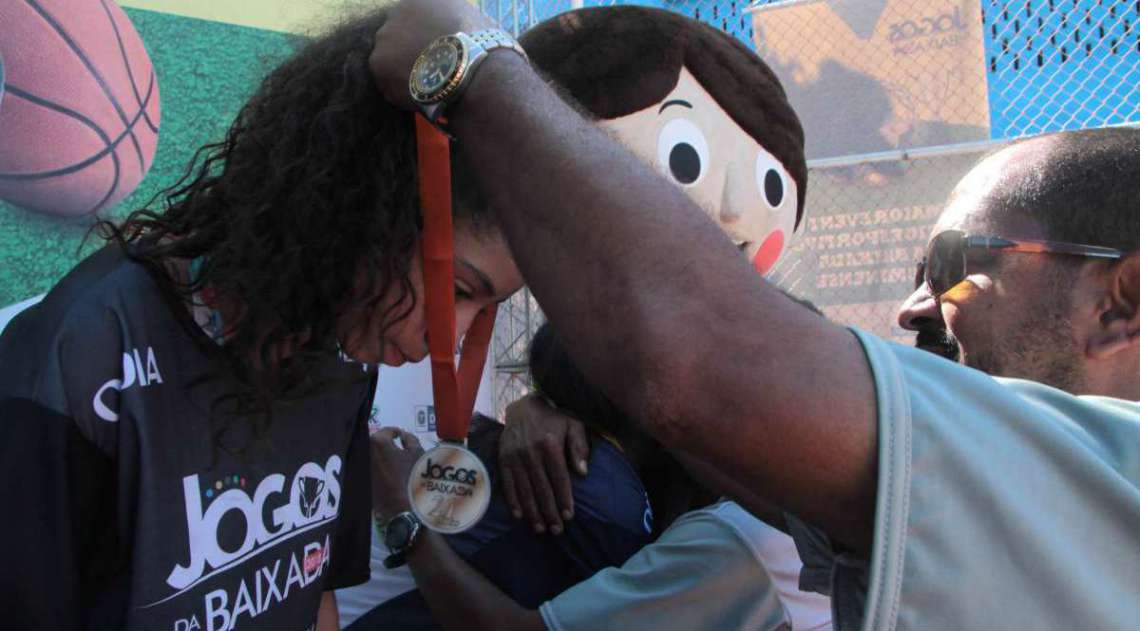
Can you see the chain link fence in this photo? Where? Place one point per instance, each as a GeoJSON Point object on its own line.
{"type": "Point", "coordinates": [1054, 65]}
{"type": "Point", "coordinates": [899, 98]}
{"type": "Point", "coordinates": [519, 317]}
{"type": "Point", "coordinates": [855, 254]}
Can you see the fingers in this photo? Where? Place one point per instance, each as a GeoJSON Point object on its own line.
{"type": "Point", "coordinates": [544, 497]}
{"type": "Point", "coordinates": [535, 447]}
{"type": "Point", "coordinates": [510, 494]}
{"type": "Point", "coordinates": [513, 443]}
{"type": "Point", "coordinates": [411, 441]}
{"type": "Point", "coordinates": [385, 437]}
{"type": "Point", "coordinates": [577, 445]}
{"type": "Point", "coordinates": [527, 502]}
{"type": "Point", "coordinates": [558, 473]}
{"type": "Point", "coordinates": [384, 441]}
{"type": "Point", "coordinates": [522, 487]}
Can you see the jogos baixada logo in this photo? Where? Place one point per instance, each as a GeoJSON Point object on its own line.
{"type": "Point", "coordinates": [941, 24]}
{"type": "Point", "coordinates": [434, 471]}
{"type": "Point", "coordinates": [311, 497]}
{"type": "Point", "coordinates": [449, 488]}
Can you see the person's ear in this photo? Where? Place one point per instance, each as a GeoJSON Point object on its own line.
{"type": "Point", "coordinates": [1119, 312]}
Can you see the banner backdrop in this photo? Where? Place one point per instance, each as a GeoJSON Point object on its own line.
{"type": "Point", "coordinates": [855, 255]}
{"type": "Point", "coordinates": [874, 75]}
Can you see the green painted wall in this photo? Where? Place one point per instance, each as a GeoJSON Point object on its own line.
{"type": "Point", "coordinates": [205, 71]}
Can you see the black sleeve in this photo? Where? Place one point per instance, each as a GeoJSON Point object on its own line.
{"type": "Point", "coordinates": [64, 567]}
{"type": "Point", "coordinates": [352, 548]}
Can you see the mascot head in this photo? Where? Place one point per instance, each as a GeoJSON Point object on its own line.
{"type": "Point", "coordinates": [693, 101]}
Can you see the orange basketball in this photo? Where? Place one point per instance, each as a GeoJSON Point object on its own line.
{"type": "Point", "coordinates": [80, 112]}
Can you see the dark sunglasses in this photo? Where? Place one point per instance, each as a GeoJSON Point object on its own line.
{"type": "Point", "coordinates": [944, 265]}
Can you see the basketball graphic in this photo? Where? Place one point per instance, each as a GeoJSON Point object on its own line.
{"type": "Point", "coordinates": [80, 113]}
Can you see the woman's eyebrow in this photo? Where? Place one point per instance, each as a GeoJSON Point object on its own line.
{"type": "Point", "coordinates": [484, 280]}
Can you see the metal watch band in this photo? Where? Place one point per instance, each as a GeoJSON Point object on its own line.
{"type": "Point", "coordinates": [478, 44]}
{"type": "Point", "coordinates": [495, 38]}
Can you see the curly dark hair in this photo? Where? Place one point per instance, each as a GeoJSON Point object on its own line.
{"type": "Point", "coordinates": [314, 184]}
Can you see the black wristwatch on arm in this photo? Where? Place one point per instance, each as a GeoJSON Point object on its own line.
{"type": "Point", "coordinates": [399, 534]}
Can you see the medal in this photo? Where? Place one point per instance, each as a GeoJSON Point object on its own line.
{"type": "Point", "coordinates": [448, 489]}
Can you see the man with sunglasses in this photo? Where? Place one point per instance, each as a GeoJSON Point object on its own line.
{"type": "Point", "coordinates": [954, 500]}
{"type": "Point", "coordinates": [928, 335]}
{"type": "Point", "coordinates": [1007, 285]}
{"type": "Point", "coordinates": [950, 257]}
{"type": "Point", "coordinates": [1030, 273]}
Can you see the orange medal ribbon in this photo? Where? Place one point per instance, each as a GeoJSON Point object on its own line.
{"type": "Point", "coordinates": [454, 390]}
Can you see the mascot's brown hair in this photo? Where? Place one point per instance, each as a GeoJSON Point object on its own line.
{"type": "Point", "coordinates": [692, 100]}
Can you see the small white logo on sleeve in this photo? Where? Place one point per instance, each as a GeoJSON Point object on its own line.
{"type": "Point", "coordinates": [133, 372]}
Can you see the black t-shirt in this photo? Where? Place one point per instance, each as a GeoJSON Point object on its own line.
{"type": "Point", "coordinates": [125, 507]}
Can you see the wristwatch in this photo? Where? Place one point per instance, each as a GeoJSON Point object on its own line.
{"type": "Point", "coordinates": [443, 71]}
{"type": "Point", "coordinates": [399, 535]}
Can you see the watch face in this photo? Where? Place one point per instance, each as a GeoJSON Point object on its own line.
{"type": "Point", "coordinates": [436, 67]}
{"type": "Point", "coordinates": [396, 533]}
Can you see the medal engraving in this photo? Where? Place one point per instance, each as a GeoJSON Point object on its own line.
{"type": "Point", "coordinates": [449, 489]}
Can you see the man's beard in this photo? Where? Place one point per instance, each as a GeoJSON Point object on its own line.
{"type": "Point", "coordinates": [938, 341]}
{"type": "Point", "coordinates": [1040, 349]}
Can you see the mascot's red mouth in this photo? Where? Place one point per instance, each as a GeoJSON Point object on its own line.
{"type": "Point", "coordinates": [769, 252]}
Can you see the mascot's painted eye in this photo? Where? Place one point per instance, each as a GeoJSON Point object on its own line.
{"type": "Point", "coordinates": [770, 179]}
{"type": "Point", "coordinates": [683, 151]}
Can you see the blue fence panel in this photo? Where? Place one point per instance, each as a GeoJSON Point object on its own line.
{"type": "Point", "coordinates": [1061, 64]}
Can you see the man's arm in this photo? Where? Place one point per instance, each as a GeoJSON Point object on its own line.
{"type": "Point", "coordinates": [721, 484]}
{"type": "Point", "coordinates": [667, 317]}
{"type": "Point", "coordinates": [459, 597]}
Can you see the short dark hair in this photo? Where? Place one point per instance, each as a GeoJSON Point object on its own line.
{"type": "Point", "coordinates": [1087, 189]}
{"type": "Point", "coordinates": [615, 61]}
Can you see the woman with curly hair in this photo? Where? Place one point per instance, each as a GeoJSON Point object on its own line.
{"type": "Point", "coordinates": [185, 414]}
